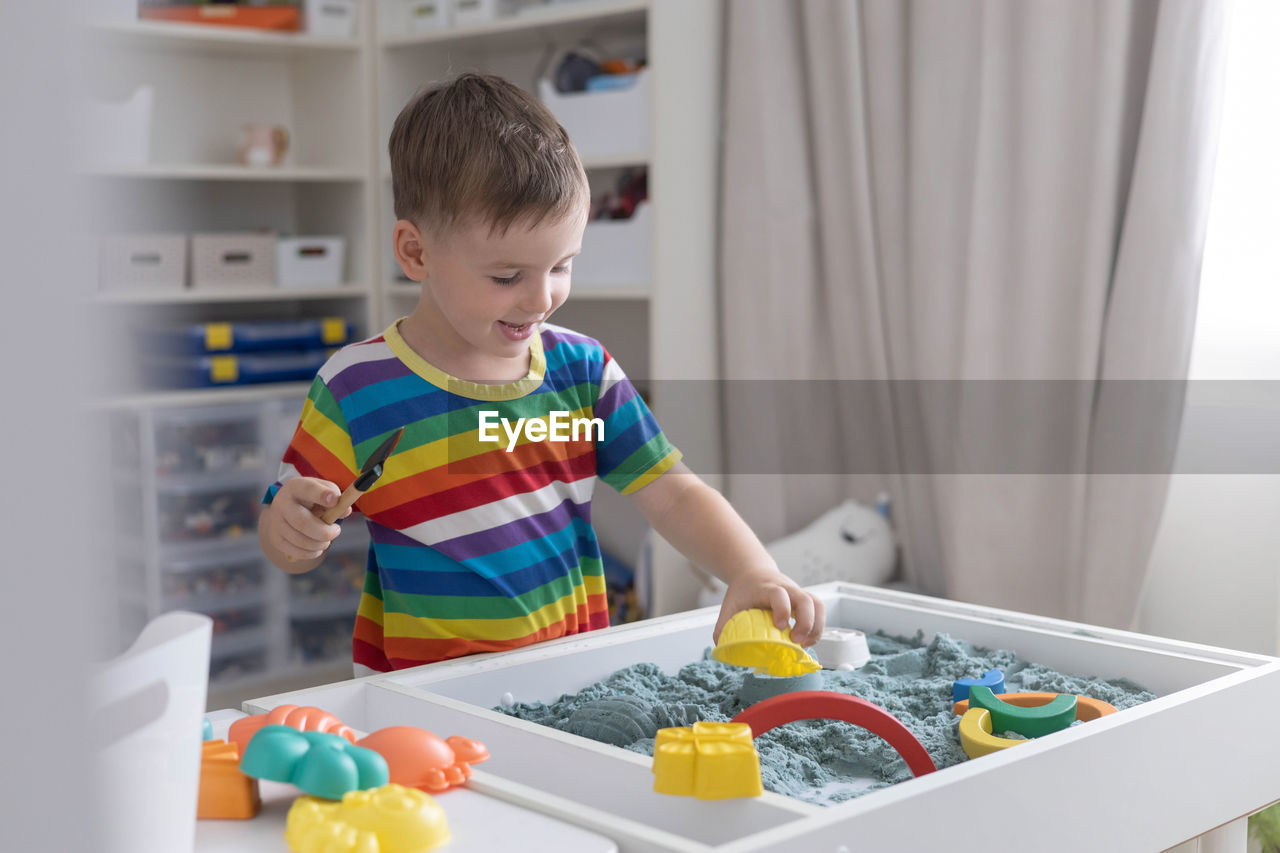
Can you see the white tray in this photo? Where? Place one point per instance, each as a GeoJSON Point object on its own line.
{"type": "Point", "coordinates": [1202, 755]}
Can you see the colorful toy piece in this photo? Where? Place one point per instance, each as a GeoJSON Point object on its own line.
{"type": "Point", "coordinates": [1087, 708]}
{"type": "Point", "coordinates": [842, 648]}
{"type": "Point", "coordinates": [208, 730]}
{"type": "Point", "coordinates": [389, 819]}
{"type": "Point", "coordinates": [225, 792]}
{"type": "Point", "coordinates": [710, 761]}
{"type": "Point", "coordinates": [304, 719]}
{"type": "Point", "coordinates": [975, 734]}
{"type": "Point", "coordinates": [321, 764]}
{"type": "Point", "coordinates": [416, 758]}
{"type": "Point", "coordinates": [825, 704]}
{"type": "Point", "coordinates": [992, 679]}
{"type": "Point", "coordinates": [756, 688]}
{"type": "Point", "coordinates": [751, 639]}
{"type": "Point", "coordinates": [1028, 721]}
{"type": "Point", "coordinates": [976, 724]}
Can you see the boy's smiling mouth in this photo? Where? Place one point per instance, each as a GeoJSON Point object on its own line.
{"type": "Point", "coordinates": [516, 331]}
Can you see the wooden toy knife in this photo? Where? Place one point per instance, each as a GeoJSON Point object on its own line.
{"type": "Point", "coordinates": [364, 481]}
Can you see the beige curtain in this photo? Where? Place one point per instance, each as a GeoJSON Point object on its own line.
{"type": "Point", "coordinates": [962, 223]}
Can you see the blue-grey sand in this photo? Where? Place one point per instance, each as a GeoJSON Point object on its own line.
{"type": "Point", "coordinates": [817, 761]}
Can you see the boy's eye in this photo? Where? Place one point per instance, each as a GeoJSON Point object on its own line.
{"type": "Point", "coordinates": [505, 280]}
{"type": "Point", "coordinates": [562, 268]}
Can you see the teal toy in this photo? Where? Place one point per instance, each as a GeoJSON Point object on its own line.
{"type": "Point", "coordinates": [321, 764]}
{"type": "Point", "coordinates": [1028, 722]}
{"type": "Point", "coordinates": [758, 687]}
{"type": "Point", "coordinates": [992, 678]}
{"type": "Point", "coordinates": [208, 729]}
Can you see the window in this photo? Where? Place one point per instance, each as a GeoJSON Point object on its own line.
{"type": "Point", "coordinates": [1238, 321]}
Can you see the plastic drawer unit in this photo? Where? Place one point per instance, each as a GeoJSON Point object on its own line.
{"type": "Point", "coordinates": [1192, 762]}
{"type": "Point", "coordinates": [248, 336]}
{"type": "Point", "coordinates": [208, 439]}
{"type": "Point", "coordinates": [213, 371]}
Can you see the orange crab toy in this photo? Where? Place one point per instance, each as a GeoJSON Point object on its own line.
{"type": "Point", "coordinates": [304, 719]}
{"type": "Point", "coordinates": [416, 758]}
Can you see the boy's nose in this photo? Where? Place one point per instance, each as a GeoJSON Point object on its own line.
{"type": "Point", "coordinates": [538, 296]}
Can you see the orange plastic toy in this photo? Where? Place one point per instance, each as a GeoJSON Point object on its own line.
{"type": "Point", "coordinates": [304, 719]}
{"type": "Point", "coordinates": [225, 792]}
{"type": "Point", "coordinates": [416, 758]}
{"type": "Point", "coordinates": [1086, 708]}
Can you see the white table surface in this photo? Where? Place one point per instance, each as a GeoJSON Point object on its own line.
{"type": "Point", "coordinates": [478, 823]}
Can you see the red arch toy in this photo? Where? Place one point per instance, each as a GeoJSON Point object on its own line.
{"type": "Point", "coordinates": [828, 705]}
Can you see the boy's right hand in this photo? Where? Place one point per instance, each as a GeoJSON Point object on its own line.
{"type": "Point", "coordinates": [291, 525]}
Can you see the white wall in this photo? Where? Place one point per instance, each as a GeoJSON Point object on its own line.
{"type": "Point", "coordinates": [46, 606]}
{"type": "Point", "coordinates": [1215, 571]}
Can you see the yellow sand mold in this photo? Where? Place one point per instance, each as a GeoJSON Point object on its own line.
{"type": "Point", "coordinates": [751, 639]}
{"type": "Point", "coordinates": [710, 761]}
{"type": "Point", "coordinates": [390, 819]}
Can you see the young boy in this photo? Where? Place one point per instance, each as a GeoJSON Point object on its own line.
{"type": "Point", "coordinates": [481, 532]}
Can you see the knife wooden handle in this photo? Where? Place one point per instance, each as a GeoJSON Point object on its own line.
{"type": "Point", "coordinates": [349, 496]}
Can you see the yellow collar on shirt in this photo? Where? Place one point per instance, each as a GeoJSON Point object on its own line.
{"type": "Point", "coordinates": [462, 387]}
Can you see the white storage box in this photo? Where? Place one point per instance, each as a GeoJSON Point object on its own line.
{"type": "Point", "coordinates": [616, 252]}
{"type": "Point", "coordinates": [310, 261]}
{"type": "Point", "coordinates": [1198, 757]}
{"type": "Point", "coordinates": [397, 17]}
{"type": "Point", "coordinates": [117, 134]}
{"type": "Point", "coordinates": [603, 124]}
{"type": "Point", "coordinates": [233, 260]}
{"type": "Point", "coordinates": [331, 18]}
{"type": "Point", "coordinates": [467, 13]}
{"type": "Point", "coordinates": [142, 262]}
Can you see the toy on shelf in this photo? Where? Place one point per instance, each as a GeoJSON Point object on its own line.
{"type": "Point", "coordinates": [304, 718]}
{"type": "Point", "coordinates": [321, 639]}
{"type": "Point", "coordinates": [750, 639]}
{"type": "Point", "coordinates": [188, 588]}
{"type": "Point", "coordinates": [207, 516]}
{"type": "Point", "coordinates": [993, 679]}
{"type": "Point", "coordinates": [417, 758]}
{"type": "Point", "coordinates": [196, 448]}
{"type": "Point", "coordinates": [319, 763]}
{"type": "Point", "coordinates": [391, 819]}
{"type": "Point", "coordinates": [824, 704]}
{"type": "Point", "coordinates": [286, 18]}
{"type": "Point", "coordinates": [339, 578]}
{"type": "Point", "coordinates": [710, 761]}
{"type": "Point", "coordinates": [225, 792]}
{"type": "Point", "coordinates": [1026, 720]}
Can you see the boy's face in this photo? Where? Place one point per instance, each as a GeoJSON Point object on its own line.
{"type": "Point", "coordinates": [492, 289]}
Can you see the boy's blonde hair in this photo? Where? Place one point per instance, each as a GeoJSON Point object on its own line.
{"type": "Point", "coordinates": [481, 148]}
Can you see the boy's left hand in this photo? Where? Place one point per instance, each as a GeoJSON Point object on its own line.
{"type": "Point", "coordinates": [770, 589]}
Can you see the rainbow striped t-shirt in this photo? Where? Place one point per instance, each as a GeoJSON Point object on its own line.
{"type": "Point", "coordinates": [475, 547]}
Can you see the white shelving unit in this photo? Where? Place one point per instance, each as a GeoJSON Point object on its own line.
{"type": "Point", "coordinates": [187, 536]}
{"type": "Point", "coordinates": [338, 99]}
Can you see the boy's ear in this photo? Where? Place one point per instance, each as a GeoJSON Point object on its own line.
{"type": "Point", "coordinates": [410, 249]}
